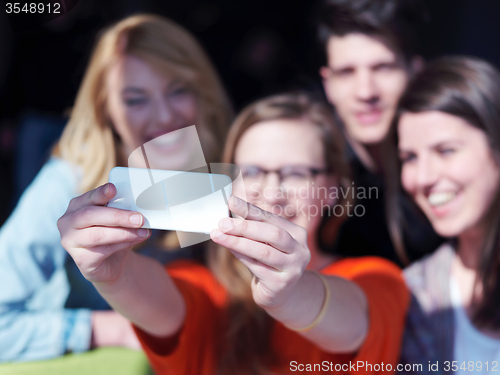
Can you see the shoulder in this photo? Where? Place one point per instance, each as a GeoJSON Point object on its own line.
{"type": "Point", "coordinates": [56, 178]}
{"type": "Point", "coordinates": [52, 189]}
{"type": "Point", "coordinates": [364, 266]}
{"type": "Point", "coordinates": [428, 281]}
{"type": "Point", "coordinates": [34, 220]}
{"type": "Point", "coordinates": [47, 197]}
{"type": "Point", "coordinates": [381, 280]}
{"type": "Point", "coordinates": [29, 239]}
{"type": "Point", "coordinates": [433, 267]}
{"type": "Point", "coordinates": [429, 327]}
{"type": "Point", "coordinates": [60, 171]}
{"type": "Point", "coordinates": [388, 300]}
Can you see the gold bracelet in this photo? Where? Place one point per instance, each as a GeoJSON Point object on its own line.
{"type": "Point", "coordinates": [323, 309]}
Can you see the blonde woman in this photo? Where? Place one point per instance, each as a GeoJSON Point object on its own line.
{"type": "Point", "coordinates": [147, 76]}
{"type": "Point", "coordinates": [270, 300]}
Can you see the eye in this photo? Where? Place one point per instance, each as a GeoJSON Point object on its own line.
{"type": "Point", "coordinates": [178, 91]}
{"type": "Point", "coordinates": [250, 171]}
{"type": "Point", "coordinates": [345, 72]}
{"type": "Point", "coordinates": [407, 157]}
{"type": "Point", "coordinates": [131, 102]}
{"type": "Point", "coordinates": [298, 173]}
{"type": "Point", "coordinates": [446, 151]}
{"type": "Point", "coordinates": [385, 67]}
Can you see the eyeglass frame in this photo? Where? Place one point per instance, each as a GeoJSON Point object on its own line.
{"type": "Point", "coordinates": [313, 170]}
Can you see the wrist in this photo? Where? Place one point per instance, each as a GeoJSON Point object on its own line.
{"type": "Point", "coordinates": [324, 307]}
{"type": "Point", "coordinates": [277, 303]}
{"type": "Point", "coordinates": [303, 303]}
{"type": "Point", "coordinates": [120, 279]}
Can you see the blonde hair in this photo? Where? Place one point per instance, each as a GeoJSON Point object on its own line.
{"type": "Point", "coordinates": [247, 337]}
{"type": "Point", "coordinates": [89, 141]}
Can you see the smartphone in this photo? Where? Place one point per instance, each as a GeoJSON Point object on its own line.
{"type": "Point", "coordinates": [172, 200]}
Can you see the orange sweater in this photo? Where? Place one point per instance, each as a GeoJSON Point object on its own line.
{"type": "Point", "coordinates": [191, 350]}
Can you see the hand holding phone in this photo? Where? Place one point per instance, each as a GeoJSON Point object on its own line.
{"type": "Point", "coordinates": [172, 200]}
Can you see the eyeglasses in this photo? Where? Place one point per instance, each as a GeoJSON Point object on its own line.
{"type": "Point", "coordinates": [289, 176]}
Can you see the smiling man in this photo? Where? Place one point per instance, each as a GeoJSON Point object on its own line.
{"type": "Point", "coordinates": [364, 79]}
{"type": "Point", "coordinates": [371, 49]}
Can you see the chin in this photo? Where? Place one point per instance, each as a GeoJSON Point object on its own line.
{"type": "Point", "coordinates": [178, 162]}
{"type": "Point", "coordinates": [372, 136]}
{"type": "Point", "coordinates": [448, 230]}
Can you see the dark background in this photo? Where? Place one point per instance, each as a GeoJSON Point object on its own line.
{"type": "Point", "coordinates": [258, 47]}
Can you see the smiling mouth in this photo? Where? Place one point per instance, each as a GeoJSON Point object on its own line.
{"type": "Point", "coordinates": [440, 198]}
{"type": "Point", "coordinates": [167, 142]}
{"type": "Point", "coordinates": [168, 139]}
{"type": "Point", "coordinates": [369, 117]}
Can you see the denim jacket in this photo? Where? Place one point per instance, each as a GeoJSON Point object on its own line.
{"type": "Point", "coordinates": [45, 303]}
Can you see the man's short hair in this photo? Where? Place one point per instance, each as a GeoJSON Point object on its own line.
{"type": "Point", "coordinates": [399, 21]}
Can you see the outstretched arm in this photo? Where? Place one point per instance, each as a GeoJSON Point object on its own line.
{"type": "Point", "coordinates": [275, 250]}
{"type": "Point", "coordinates": [99, 239]}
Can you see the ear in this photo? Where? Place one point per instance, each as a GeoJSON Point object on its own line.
{"type": "Point", "coordinates": [325, 72]}
{"type": "Point", "coordinates": [417, 63]}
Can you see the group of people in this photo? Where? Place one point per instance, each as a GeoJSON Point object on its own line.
{"type": "Point", "coordinates": [280, 288]}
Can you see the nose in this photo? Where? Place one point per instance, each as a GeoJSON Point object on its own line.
{"type": "Point", "coordinates": [366, 87]}
{"type": "Point", "coordinates": [272, 193]}
{"type": "Point", "coordinates": [427, 172]}
{"type": "Point", "coordinates": [164, 112]}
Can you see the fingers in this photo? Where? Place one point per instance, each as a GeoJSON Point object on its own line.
{"type": "Point", "coordinates": [258, 269]}
{"type": "Point", "coordinates": [97, 197]}
{"type": "Point", "coordinates": [259, 231]}
{"type": "Point", "coordinates": [258, 251]}
{"type": "Point", "coordinates": [102, 236]}
{"type": "Point", "coordinates": [251, 212]}
{"type": "Point", "coordinates": [267, 282]}
{"type": "Point", "coordinates": [110, 249]}
{"type": "Point", "coordinates": [105, 216]}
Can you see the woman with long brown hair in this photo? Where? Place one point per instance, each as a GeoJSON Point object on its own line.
{"type": "Point", "coordinates": [270, 300]}
{"type": "Point", "coordinates": [147, 77]}
{"type": "Point", "coordinates": [449, 147]}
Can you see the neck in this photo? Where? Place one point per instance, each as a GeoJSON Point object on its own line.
{"type": "Point", "coordinates": [369, 155]}
{"type": "Point", "coordinates": [470, 244]}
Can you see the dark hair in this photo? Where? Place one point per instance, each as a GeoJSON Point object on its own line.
{"type": "Point", "coordinates": [397, 20]}
{"type": "Point", "coordinates": [469, 88]}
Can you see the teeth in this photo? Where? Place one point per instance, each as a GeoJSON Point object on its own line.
{"type": "Point", "coordinates": [168, 139]}
{"type": "Point", "coordinates": [438, 199]}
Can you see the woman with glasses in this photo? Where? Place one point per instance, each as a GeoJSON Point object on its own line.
{"type": "Point", "coordinates": [269, 299]}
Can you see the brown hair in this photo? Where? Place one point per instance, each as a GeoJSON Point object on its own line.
{"type": "Point", "coordinates": [398, 21]}
{"type": "Point", "coordinates": [247, 334]}
{"type": "Point", "coordinates": [469, 88]}
{"type": "Point", "coordinates": [88, 141]}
